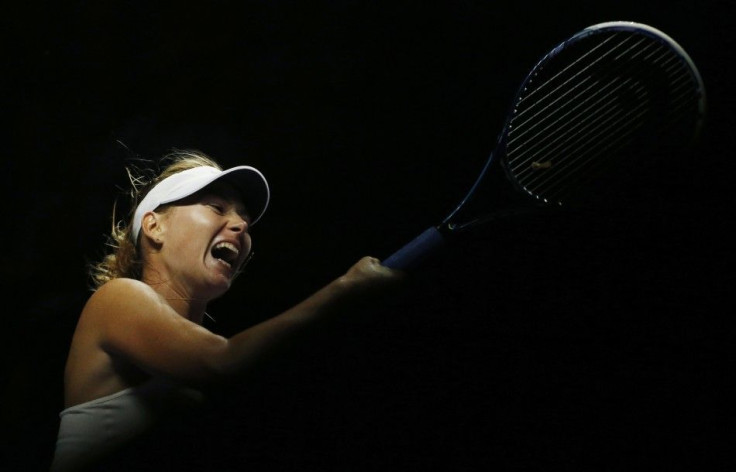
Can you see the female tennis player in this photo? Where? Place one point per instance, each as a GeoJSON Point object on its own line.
{"type": "Point", "coordinates": [139, 351]}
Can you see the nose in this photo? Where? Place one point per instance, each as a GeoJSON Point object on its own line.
{"type": "Point", "coordinates": [238, 224]}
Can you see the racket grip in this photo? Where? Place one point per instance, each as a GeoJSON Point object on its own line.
{"type": "Point", "coordinates": [416, 251]}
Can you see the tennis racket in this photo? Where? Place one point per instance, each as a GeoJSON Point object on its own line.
{"type": "Point", "coordinates": [613, 99]}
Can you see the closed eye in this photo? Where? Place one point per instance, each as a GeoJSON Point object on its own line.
{"type": "Point", "coordinates": [219, 209]}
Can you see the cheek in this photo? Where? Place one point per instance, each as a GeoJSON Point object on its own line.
{"type": "Point", "coordinates": [189, 231]}
{"type": "Point", "coordinates": [248, 242]}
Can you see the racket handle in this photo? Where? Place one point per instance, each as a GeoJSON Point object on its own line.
{"type": "Point", "coordinates": [416, 251]}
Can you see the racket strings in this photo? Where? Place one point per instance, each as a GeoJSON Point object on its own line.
{"type": "Point", "coordinates": [566, 82]}
{"type": "Point", "coordinates": [594, 127]}
{"type": "Point", "coordinates": [612, 71]}
{"type": "Point", "coordinates": [545, 137]}
{"type": "Point", "coordinates": [592, 82]}
{"type": "Point", "coordinates": [593, 153]}
{"type": "Point", "coordinates": [552, 185]}
{"type": "Point", "coordinates": [586, 157]}
{"type": "Point", "coordinates": [586, 68]}
{"type": "Point", "coordinates": [575, 138]}
{"type": "Point", "coordinates": [602, 118]}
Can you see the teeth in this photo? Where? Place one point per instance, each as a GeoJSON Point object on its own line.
{"type": "Point", "coordinates": [229, 246]}
{"type": "Point", "coordinates": [226, 252]}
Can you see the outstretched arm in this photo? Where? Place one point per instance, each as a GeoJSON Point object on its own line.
{"type": "Point", "coordinates": [366, 278]}
{"type": "Point", "coordinates": [154, 337]}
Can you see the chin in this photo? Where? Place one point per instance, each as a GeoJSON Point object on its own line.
{"type": "Point", "coordinates": [218, 287]}
{"type": "Point", "coordinates": [222, 288]}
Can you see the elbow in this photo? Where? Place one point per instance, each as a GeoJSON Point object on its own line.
{"type": "Point", "coordinates": [220, 365]}
{"type": "Point", "coordinates": [231, 359]}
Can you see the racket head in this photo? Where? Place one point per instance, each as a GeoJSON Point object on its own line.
{"type": "Point", "coordinates": [597, 110]}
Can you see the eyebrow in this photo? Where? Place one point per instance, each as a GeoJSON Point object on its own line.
{"type": "Point", "coordinates": [231, 197]}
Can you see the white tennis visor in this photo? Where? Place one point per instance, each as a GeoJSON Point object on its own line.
{"type": "Point", "coordinates": [249, 181]}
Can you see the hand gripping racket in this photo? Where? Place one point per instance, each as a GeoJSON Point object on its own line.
{"type": "Point", "coordinates": [594, 109]}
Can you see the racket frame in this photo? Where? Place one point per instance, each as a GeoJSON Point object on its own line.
{"type": "Point", "coordinates": [433, 238]}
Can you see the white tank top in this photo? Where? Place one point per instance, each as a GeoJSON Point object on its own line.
{"type": "Point", "coordinates": [92, 430]}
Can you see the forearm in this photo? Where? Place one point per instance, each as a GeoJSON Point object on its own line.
{"type": "Point", "coordinates": [364, 281]}
{"type": "Point", "coordinates": [251, 347]}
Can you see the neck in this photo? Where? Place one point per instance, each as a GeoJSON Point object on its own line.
{"type": "Point", "coordinates": [187, 306]}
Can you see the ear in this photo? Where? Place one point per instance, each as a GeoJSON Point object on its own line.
{"type": "Point", "coordinates": [152, 227]}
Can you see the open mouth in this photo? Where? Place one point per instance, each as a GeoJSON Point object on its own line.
{"type": "Point", "coordinates": [225, 252]}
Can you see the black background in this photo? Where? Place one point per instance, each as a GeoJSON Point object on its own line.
{"type": "Point", "coordinates": [586, 342]}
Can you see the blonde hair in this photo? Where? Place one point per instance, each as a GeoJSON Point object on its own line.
{"type": "Point", "coordinates": [123, 258]}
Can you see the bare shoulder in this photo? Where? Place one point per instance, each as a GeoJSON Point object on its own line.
{"type": "Point", "coordinates": [124, 287]}
{"type": "Point", "coordinates": [128, 319]}
{"type": "Point", "coordinates": [119, 298]}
